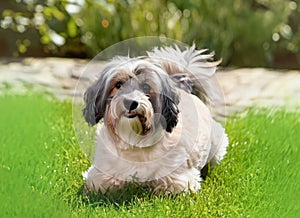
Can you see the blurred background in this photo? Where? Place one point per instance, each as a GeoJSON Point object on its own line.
{"type": "Point", "coordinates": [244, 33]}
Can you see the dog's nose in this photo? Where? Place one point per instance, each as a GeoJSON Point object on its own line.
{"type": "Point", "coordinates": [130, 104]}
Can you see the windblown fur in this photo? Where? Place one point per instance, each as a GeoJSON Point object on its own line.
{"type": "Point", "coordinates": [157, 128]}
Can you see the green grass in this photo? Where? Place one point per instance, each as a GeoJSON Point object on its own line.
{"type": "Point", "coordinates": [41, 164]}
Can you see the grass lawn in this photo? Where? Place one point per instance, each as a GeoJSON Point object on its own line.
{"type": "Point", "coordinates": [41, 164]}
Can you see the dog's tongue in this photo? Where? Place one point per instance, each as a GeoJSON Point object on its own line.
{"type": "Point", "coordinates": [130, 114]}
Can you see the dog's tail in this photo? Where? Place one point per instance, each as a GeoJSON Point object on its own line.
{"type": "Point", "coordinates": [192, 70]}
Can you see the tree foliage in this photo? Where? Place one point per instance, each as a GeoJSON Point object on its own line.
{"type": "Point", "coordinates": [243, 33]}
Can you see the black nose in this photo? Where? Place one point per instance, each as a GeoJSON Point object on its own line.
{"type": "Point", "coordinates": [130, 104]}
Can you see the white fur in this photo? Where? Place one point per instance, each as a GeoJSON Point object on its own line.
{"type": "Point", "coordinates": [172, 164]}
{"type": "Point", "coordinates": [172, 161]}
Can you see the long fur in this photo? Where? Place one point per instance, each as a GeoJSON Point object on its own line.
{"type": "Point", "coordinates": [168, 135]}
{"type": "Point", "coordinates": [195, 68]}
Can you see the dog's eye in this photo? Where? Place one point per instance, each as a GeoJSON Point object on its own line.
{"type": "Point", "coordinates": [118, 85]}
{"type": "Point", "coordinates": [146, 88]}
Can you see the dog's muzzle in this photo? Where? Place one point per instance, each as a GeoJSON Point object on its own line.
{"type": "Point", "coordinates": [130, 106]}
{"type": "Point", "coordinates": [133, 116]}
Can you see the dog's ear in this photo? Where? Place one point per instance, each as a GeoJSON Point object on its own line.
{"type": "Point", "coordinates": [94, 98]}
{"type": "Point", "coordinates": [170, 101]}
{"type": "Point", "coordinates": [170, 113]}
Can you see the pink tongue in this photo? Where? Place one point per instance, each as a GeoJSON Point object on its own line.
{"type": "Point", "coordinates": [130, 114]}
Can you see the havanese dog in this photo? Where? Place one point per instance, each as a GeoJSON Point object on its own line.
{"type": "Point", "coordinates": [155, 127]}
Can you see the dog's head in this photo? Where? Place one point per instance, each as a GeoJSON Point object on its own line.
{"type": "Point", "coordinates": [135, 98]}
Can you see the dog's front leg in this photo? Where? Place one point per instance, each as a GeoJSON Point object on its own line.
{"type": "Point", "coordinates": [96, 181]}
{"type": "Point", "coordinates": [178, 181]}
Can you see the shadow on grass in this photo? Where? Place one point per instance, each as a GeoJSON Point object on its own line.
{"type": "Point", "coordinates": [132, 192]}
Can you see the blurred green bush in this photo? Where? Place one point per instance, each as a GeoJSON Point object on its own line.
{"type": "Point", "coordinates": [244, 33]}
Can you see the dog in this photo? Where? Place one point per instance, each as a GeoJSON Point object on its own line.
{"type": "Point", "coordinates": [155, 127]}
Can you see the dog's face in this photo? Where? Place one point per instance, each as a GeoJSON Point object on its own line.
{"type": "Point", "coordinates": [135, 97]}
